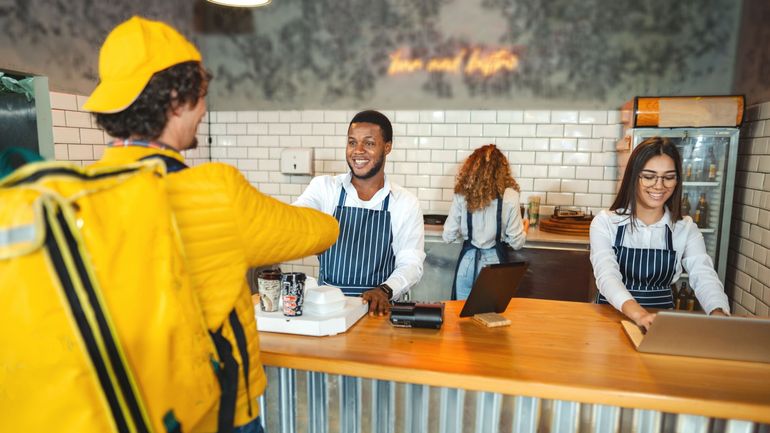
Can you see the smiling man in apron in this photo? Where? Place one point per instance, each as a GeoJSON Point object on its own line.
{"type": "Point", "coordinates": [380, 249]}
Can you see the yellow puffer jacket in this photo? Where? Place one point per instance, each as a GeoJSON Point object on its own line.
{"type": "Point", "coordinates": [228, 226]}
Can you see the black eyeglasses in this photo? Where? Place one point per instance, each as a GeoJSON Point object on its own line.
{"type": "Point", "coordinates": [649, 179]}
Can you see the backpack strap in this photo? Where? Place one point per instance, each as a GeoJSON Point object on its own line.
{"type": "Point", "coordinates": [240, 340]}
{"type": "Point", "coordinates": [113, 372]}
{"type": "Point", "coordinates": [226, 370]}
{"type": "Point", "coordinates": [173, 165]}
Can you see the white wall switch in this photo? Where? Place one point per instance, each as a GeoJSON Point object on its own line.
{"type": "Point", "coordinates": [297, 161]}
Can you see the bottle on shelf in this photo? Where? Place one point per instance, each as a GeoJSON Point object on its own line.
{"type": "Point", "coordinates": [686, 159]}
{"type": "Point", "coordinates": [680, 303]}
{"type": "Point", "coordinates": [712, 165]}
{"type": "Point", "coordinates": [674, 294]}
{"type": "Point", "coordinates": [686, 204]}
{"type": "Point", "coordinates": [702, 212]}
{"type": "Point", "coordinates": [691, 301]}
{"type": "Point", "coordinates": [698, 159]}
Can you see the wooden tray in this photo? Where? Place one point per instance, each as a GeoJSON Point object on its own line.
{"type": "Point", "coordinates": [567, 225]}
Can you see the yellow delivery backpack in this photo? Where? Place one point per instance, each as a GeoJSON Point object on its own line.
{"type": "Point", "coordinates": [100, 330]}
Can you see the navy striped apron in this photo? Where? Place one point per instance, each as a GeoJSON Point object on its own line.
{"type": "Point", "coordinates": [362, 257]}
{"type": "Point", "coordinates": [468, 245]}
{"type": "Point", "coordinates": [647, 272]}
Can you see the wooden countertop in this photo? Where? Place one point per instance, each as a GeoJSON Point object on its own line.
{"type": "Point", "coordinates": [534, 236]}
{"type": "Point", "coordinates": [554, 350]}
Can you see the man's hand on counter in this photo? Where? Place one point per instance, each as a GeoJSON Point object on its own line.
{"type": "Point", "coordinates": [378, 301]}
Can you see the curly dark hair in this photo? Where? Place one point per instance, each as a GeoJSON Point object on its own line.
{"type": "Point", "coordinates": [484, 177]}
{"type": "Point", "coordinates": [625, 201]}
{"type": "Point", "coordinates": [183, 83]}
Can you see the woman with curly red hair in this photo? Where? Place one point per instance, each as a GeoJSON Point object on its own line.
{"type": "Point", "coordinates": [485, 212]}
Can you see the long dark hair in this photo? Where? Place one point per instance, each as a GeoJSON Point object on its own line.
{"type": "Point", "coordinates": [647, 149]}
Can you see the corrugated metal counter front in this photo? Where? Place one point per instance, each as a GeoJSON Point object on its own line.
{"type": "Point", "coordinates": [559, 367]}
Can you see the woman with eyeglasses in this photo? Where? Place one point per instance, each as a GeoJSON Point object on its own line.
{"type": "Point", "coordinates": [642, 244]}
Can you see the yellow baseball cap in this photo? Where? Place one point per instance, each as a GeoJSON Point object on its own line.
{"type": "Point", "coordinates": [131, 54]}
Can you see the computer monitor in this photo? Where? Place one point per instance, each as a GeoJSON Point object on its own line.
{"type": "Point", "coordinates": [494, 288]}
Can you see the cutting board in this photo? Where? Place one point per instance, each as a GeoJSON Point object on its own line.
{"type": "Point", "coordinates": [566, 226]}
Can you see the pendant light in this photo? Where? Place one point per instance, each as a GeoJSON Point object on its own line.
{"type": "Point", "coordinates": [241, 3]}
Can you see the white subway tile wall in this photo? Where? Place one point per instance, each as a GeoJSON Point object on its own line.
{"type": "Point", "coordinates": [748, 269]}
{"type": "Point", "coordinates": [78, 139]}
{"type": "Point", "coordinates": [565, 157]}
{"type": "Point", "coordinates": [559, 155]}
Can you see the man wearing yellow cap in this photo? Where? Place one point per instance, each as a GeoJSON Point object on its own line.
{"type": "Point", "coordinates": [151, 99]}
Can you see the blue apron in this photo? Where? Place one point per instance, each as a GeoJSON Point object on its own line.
{"type": "Point", "coordinates": [362, 257]}
{"type": "Point", "coordinates": [647, 272]}
{"type": "Point", "coordinates": [468, 245]}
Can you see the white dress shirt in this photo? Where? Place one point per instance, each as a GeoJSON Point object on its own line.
{"type": "Point", "coordinates": [690, 251]}
{"type": "Point", "coordinates": [406, 222]}
{"type": "Point", "coordinates": [485, 222]}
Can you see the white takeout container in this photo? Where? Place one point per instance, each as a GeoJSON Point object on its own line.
{"type": "Point", "coordinates": [312, 324]}
{"type": "Point", "coordinates": [310, 282]}
{"type": "Point", "coordinates": [323, 300]}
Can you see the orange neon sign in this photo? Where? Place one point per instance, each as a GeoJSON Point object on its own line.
{"type": "Point", "coordinates": [469, 62]}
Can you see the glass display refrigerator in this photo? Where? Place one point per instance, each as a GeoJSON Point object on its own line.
{"type": "Point", "coordinates": [705, 130]}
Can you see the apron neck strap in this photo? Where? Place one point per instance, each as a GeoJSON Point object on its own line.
{"type": "Point", "coordinates": [344, 194]}
{"type": "Point", "coordinates": [499, 218]}
{"type": "Point", "coordinates": [619, 236]}
{"type": "Point", "coordinates": [622, 232]}
{"type": "Point", "coordinates": [469, 223]}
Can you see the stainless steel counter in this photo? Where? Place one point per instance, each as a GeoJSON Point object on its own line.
{"type": "Point", "coordinates": [535, 238]}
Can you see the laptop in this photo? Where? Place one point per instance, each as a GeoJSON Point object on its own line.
{"type": "Point", "coordinates": [494, 288]}
{"type": "Point", "coordinates": [699, 335]}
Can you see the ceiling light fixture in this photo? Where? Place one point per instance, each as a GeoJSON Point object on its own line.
{"type": "Point", "coordinates": [242, 3]}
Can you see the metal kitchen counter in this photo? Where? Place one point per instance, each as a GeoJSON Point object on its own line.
{"type": "Point", "coordinates": [548, 255]}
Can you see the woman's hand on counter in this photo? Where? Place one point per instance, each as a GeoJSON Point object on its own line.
{"type": "Point", "coordinates": [638, 314]}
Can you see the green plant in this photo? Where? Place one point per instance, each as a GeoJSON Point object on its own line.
{"type": "Point", "coordinates": [24, 86]}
